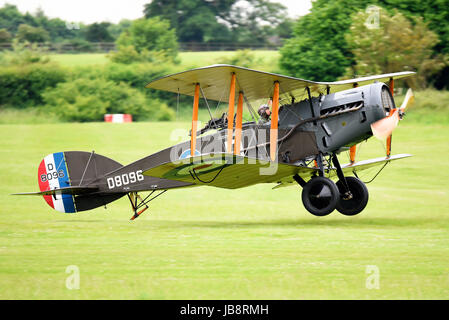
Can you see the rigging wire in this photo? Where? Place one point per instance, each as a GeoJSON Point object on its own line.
{"type": "Point", "coordinates": [196, 175]}
{"type": "Point", "coordinates": [250, 108]}
{"type": "Point", "coordinates": [207, 105]}
{"type": "Point", "coordinates": [177, 105]}
{"type": "Point", "coordinates": [219, 101]}
{"type": "Point", "coordinates": [248, 105]}
{"type": "Point", "coordinates": [375, 176]}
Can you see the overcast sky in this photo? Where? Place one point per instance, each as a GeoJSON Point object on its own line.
{"type": "Point", "coordinates": [89, 11]}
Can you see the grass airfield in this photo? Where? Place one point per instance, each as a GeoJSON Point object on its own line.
{"type": "Point", "coordinates": [264, 59]}
{"type": "Point", "coordinates": [209, 243]}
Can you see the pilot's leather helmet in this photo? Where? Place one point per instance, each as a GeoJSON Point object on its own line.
{"type": "Point", "coordinates": [262, 111]}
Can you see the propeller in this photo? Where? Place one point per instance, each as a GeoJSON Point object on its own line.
{"type": "Point", "coordinates": [383, 128]}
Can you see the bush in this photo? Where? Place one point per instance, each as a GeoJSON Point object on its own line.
{"type": "Point", "coordinates": [22, 85]}
{"type": "Point", "coordinates": [243, 58]}
{"type": "Point", "coordinates": [305, 58]}
{"type": "Point", "coordinates": [136, 75]}
{"type": "Point", "coordinates": [23, 53]}
{"type": "Point", "coordinates": [5, 36]}
{"type": "Point", "coordinates": [126, 55]}
{"type": "Point", "coordinates": [129, 55]}
{"type": "Point", "coordinates": [397, 44]}
{"type": "Point", "coordinates": [76, 45]}
{"type": "Point", "coordinates": [147, 40]}
{"type": "Point", "coordinates": [89, 99]}
{"type": "Point", "coordinates": [29, 33]}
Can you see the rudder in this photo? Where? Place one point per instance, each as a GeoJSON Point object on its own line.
{"type": "Point", "coordinates": [69, 169]}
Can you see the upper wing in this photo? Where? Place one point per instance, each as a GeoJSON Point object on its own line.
{"type": "Point", "coordinates": [215, 82]}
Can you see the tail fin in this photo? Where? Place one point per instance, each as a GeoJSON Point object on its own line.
{"type": "Point", "coordinates": [65, 180]}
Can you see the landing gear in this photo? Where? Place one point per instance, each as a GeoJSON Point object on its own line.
{"type": "Point", "coordinates": [358, 200]}
{"type": "Point", "coordinates": [320, 196]}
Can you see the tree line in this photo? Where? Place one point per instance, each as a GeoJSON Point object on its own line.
{"type": "Point", "coordinates": [347, 38]}
{"type": "Point", "coordinates": [214, 21]}
{"type": "Point", "coordinates": [337, 39]}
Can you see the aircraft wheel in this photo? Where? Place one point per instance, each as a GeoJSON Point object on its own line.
{"type": "Point", "coordinates": [359, 199]}
{"type": "Point", "coordinates": [320, 196]}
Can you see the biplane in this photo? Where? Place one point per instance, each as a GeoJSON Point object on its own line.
{"type": "Point", "coordinates": [311, 124]}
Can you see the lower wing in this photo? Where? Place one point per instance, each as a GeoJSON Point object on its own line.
{"type": "Point", "coordinates": [348, 168]}
{"type": "Point", "coordinates": [233, 171]}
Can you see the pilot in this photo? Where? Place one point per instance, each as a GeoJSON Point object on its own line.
{"type": "Point", "coordinates": [264, 113]}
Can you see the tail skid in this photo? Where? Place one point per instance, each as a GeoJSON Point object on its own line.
{"type": "Point", "coordinates": [137, 202]}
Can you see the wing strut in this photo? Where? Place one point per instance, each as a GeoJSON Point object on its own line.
{"type": "Point", "coordinates": [391, 85]}
{"type": "Point", "coordinates": [196, 100]}
{"type": "Point", "coordinates": [274, 123]}
{"type": "Point", "coordinates": [311, 103]}
{"type": "Point", "coordinates": [238, 124]}
{"type": "Point", "coordinates": [352, 152]}
{"type": "Point", "coordinates": [231, 113]}
{"type": "Point", "coordinates": [353, 149]}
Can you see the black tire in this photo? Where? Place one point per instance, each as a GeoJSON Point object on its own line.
{"type": "Point", "coordinates": [359, 199]}
{"type": "Point", "coordinates": [320, 196]}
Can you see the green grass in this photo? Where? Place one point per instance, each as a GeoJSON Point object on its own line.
{"type": "Point", "coordinates": [431, 106]}
{"type": "Point", "coordinates": [79, 59]}
{"type": "Point", "coordinates": [266, 59]}
{"type": "Point", "coordinates": [26, 116]}
{"type": "Point", "coordinates": [209, 243]}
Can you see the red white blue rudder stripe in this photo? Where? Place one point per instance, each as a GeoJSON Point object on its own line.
{"type": "Point", "coordinates": [53, 174]}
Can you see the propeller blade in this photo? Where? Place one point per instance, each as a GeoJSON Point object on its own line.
{"type": "Point", "coordinates": [408, 100]}
{"type": "Point", "coordinates": [383, 128]}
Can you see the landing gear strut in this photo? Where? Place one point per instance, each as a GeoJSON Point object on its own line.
{"type": "Point", "coordinates": [353, 192]}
